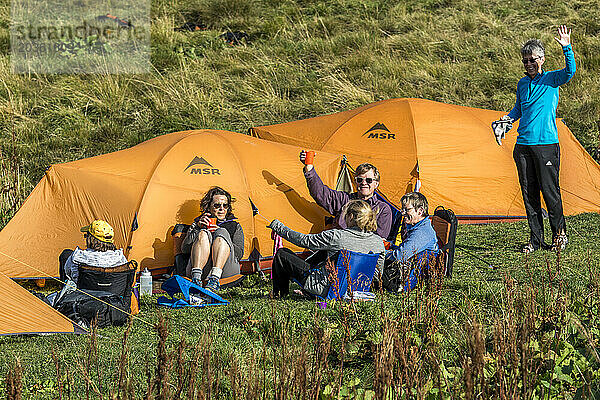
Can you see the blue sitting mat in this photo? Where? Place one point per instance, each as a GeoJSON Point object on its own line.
{"type": "Point", "coordinates": [362, 268]}
{"type": "Point", "coordinates": [420, 261]}
{"type": "Point", "coordinates": [178, 284]}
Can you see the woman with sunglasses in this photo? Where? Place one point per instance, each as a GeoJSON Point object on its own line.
{"type": "Point", "coordinates": [215, 240]}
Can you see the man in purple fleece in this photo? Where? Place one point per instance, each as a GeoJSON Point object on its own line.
{"type": "Point", "coordinates": [367, 180]}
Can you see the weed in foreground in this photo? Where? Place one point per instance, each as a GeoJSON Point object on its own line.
{"type": "Point", "coordinates": [14, 381]}
{"type": "Point", "coordinates": [541, 344]}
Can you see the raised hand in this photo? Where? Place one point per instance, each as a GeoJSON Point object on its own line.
{"type": "Point", "coordinates": [303, 155]}
{"type": "Point", "coordinates": [564, 35]}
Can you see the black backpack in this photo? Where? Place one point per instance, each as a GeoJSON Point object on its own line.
{"type": "Point", "coordinates": [181, 259]}
{"type": "Point", "coordinates": [82, 306]}
{"type": "Point", "coordinates": [449, 243]}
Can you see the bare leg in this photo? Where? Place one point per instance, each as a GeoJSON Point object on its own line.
{"type": "Point", "coordinates": [199, 255]}
{"type": "Point", "coordinates": [220, 253]}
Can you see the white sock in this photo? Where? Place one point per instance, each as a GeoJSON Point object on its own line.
{"type": "Point", "coordinates": [197, 274]}
{"type": "Point", "coordinates": [216, 272]}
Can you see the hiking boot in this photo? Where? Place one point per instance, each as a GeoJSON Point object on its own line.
{"type": "Point", "coordinates": [213, 284]}
{"type": "Point", "coordinates": [560, 242]}
{"type": "Point", "coordinates": [195, 281]}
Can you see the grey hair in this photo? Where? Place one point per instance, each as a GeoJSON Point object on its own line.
{"type": "Point", "coordinates": [533, 47]}
{"type": "Point", "coordinates": [417, 200]}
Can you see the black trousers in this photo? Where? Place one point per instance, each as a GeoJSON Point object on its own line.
{"type": "Point", "coordinates": [538, 167]}
{"type": "Point", "coordinates": [287, 265]}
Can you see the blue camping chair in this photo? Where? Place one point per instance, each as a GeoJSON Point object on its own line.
{"type": "Point", "coordinates": [176, 285]}
{"type": "Point", "coordinates": [362, 268]}
{"type": "Point", "coordinates": [420, 268]}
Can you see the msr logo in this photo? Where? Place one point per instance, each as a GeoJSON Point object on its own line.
{"type": "Point", "coordinates": [379, 131]}
{"type": "Point", "coordinates": [201, 171]}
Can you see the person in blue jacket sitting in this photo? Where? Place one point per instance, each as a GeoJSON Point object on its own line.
{"type": "Point", "coordinates": [419, 240]}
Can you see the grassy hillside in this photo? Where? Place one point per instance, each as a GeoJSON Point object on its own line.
{"type": "Point", "coordinates": [505, 326]}
{"type": "Point", "coordinates": [305, 58]}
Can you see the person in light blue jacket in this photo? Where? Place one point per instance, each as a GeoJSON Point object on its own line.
{"type": "Point", "coordinates": [419, 234]}
{"type": "Point", "coordinates": [537, 152]}
{"type": "Point", "coordinates": [418, 240]}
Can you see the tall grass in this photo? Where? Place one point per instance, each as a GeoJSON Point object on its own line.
{"type": "Point", "coordinates": [540, 344]}
{"type": "Point", "coordinates": [526, 328]}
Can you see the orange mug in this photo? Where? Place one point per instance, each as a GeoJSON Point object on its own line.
{"type": "Point", "coordinates": [212, 226]}
{"type": "Point", "coordinates": [310, 157]}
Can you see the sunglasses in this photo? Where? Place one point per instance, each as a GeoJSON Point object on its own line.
{"type": "Point", "coordinates": [360, 180]}
{"type": "Point", "coordinates": [218, 206]}
{"type": "Point", "coordinates": [530, 60]}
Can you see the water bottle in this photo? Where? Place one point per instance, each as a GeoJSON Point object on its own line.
{"type": "Point", "coordinates": [146, 283]}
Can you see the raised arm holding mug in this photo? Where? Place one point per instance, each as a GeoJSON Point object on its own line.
{"type": "Point", "coordinates": [367, 180]}
{"type": "Point", "coordinates": [537, 152]}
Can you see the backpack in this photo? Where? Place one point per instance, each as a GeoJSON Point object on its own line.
{"type": "Point", "coordinates": [181, 259]}
{"type": "Point", "coordinates": [446, 226]}
{"type": "Point", "coordinates": [82, 306]}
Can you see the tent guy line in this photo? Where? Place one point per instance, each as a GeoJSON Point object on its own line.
{"type": "Point", "coordinates": [77, 289]}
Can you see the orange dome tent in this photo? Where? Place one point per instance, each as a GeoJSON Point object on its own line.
{"type": "Point", "coordinates": [21, 312]}
{"type": "Point", "coordinates": [145, 190]}
{"type": "Point", "coordinates": [450, 149]}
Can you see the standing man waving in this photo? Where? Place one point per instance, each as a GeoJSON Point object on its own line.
{"type": "Point", "coordinates": [537, 152]}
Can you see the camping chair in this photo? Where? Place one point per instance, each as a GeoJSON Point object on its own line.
{"type": "Point", "coordinates": [193, 294]}
{"type": "Point", "coordinates": [445, 224]}
{"type": "Point", "coordinates": [422, 266]}
{"type": "Point", "coordinates": [359, 267]}
{"type": "Point", "coordinates": [405, 276]}
{"type": "Point", "coordinates": [118, 280]}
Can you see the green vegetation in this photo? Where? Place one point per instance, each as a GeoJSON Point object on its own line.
{"type": "Point", "coordinates": [528, 325]}
{"type": "Point", "coordinates": [525, 324]}
{"type": "Point", "coordinates": [305, 58]}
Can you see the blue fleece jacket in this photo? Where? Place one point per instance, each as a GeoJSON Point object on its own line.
{"type": "Point", "coordinates": [537, 100]}
{"type": "Point", "coordinates": [419, 237]}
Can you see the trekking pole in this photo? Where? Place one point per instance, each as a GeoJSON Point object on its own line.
{"type": "Point", "coordinates": [255, 212]}
{"type": "Point", "coordinates": [491, 266]}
